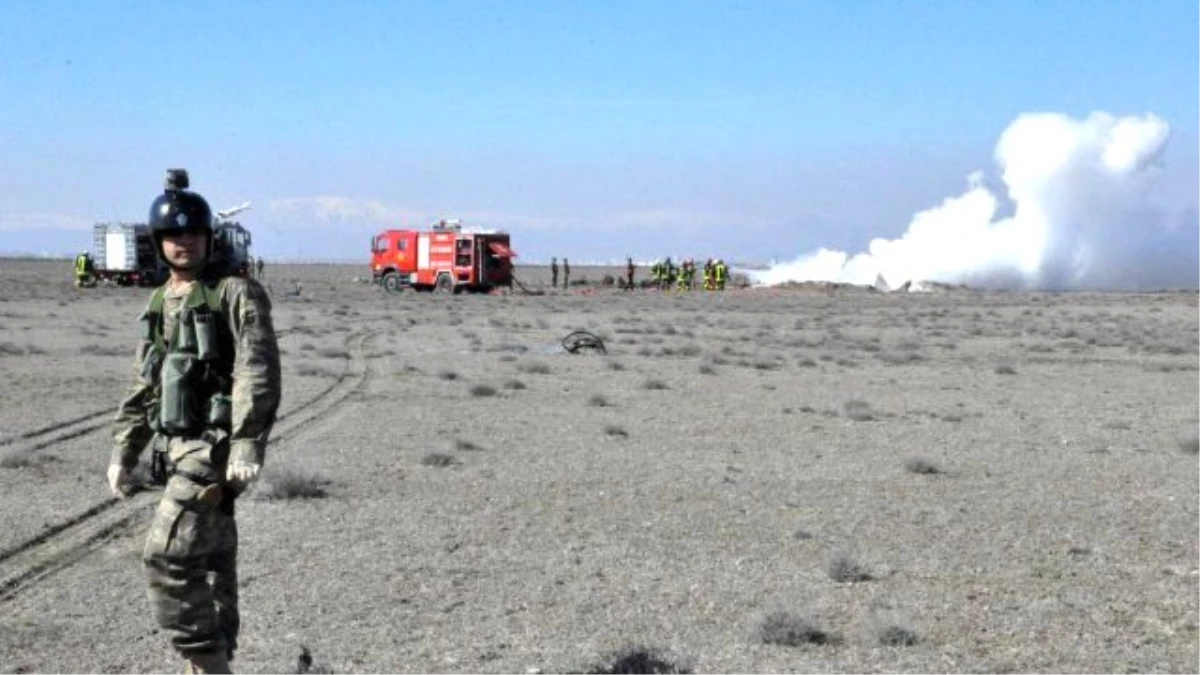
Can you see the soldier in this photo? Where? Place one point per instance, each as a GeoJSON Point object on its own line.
{"type": "Point", "coordinates": [554, 273]}
{"type": "Point", "coordinates": [629, 271]}
{"type": "Point", "coordinates": [258, 268]}
{"type": "Point", "coordinates": [206, 393]}
{"type": "Point", "coordinates": [566, 272]}
{"type": "Point", "coordinates": [85, 270]}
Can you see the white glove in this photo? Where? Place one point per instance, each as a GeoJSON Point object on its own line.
{"type": "Point", "coordinates": [242, 474]}
{"type": "Point", "coordinates": [118, 481]}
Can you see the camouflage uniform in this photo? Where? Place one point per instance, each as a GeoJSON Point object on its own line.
{"type": "Point", "coordinates": [193, 534]}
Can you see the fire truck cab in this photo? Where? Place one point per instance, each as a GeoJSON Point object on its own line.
{"type": "Point", "coordinates": [445, 258]}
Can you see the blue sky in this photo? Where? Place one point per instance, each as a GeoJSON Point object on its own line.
{"type": "Point", "coordinates": [751, 130]}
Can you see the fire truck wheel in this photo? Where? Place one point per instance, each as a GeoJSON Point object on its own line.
{"type": "Point", "coordinates": [391, 283]}
{"type": "Point", "coordinates": [444, 284]}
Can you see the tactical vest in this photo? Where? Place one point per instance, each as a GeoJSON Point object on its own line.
{"type": "Point", "coordinates": [192, 369]}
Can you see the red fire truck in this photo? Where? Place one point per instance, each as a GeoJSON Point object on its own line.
{"type": "Point", "coordinates": [445, 258]}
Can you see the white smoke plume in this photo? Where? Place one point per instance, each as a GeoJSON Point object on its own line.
{"type": "Point", "coordinates": [1077, 216]}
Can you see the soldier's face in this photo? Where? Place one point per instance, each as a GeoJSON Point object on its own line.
{"type": "Point", "coordinates": [185, 250]}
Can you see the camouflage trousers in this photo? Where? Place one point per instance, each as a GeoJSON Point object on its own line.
{"type": "Point", "coordinates": [191, 551]}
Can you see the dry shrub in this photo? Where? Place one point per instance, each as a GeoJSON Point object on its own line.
{"type": "Point", "coordinates": [514, 385]}
{"type": "Point", "coordinates": [858, 410]}
{"type": "Point", "coordinates": [11, 349]}
{"type": "Point", "coordinates": [598, 401]}
{"type": "Point", "coordinates": [892, 632]}
{"type": "Point", "coordinates": [1005, 370]}
{"type": "Point", "coordinates": [844, 569]}
{"type": "Point", "coordinates": [483, 390]}
{"type": "Point", "coordinates": [654, 385]}
{"type": "Point", "coordinates": [293, 483]}
{"type": "Point", "coordinates": [447, 375]}
{"type": "Point", "coordinates": [1190, 446]}
{"type": "Point", "coordinates": [333, 353]}
{"type": "Point", "coordinates": [790, 629]}
{"type": "Point", "coordinates": [438, 459]}
{"type": "Point", "coordinates": [922, 466]}
{"type": "Point", "coordinates": [638, 659]}
{"type": "Point", "coordinates": [614, 431]}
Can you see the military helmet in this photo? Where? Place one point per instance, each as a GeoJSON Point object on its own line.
{"type": "Point", "coordinates": [178, 210]}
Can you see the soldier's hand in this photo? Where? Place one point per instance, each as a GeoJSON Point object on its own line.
{"type": "Point", "coordinates": [242, 474]}
{"type": "Point", "coordinates": [118, 481]}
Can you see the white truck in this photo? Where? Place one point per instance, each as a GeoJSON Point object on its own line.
{"type": "Point", "coordinates": [123, 253]}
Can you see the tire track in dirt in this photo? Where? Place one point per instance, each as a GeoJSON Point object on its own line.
{"type": "Point", "coordinates": [22, 566]}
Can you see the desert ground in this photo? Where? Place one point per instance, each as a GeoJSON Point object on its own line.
{"type": "Point", "coordinates": [759, 480]}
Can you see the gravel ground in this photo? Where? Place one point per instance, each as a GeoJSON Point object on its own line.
{"type": "Point", "coordinates": [761, 480]}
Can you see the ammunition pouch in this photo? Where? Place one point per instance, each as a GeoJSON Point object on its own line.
{"type": "Point", "coordinates": [180, 408]}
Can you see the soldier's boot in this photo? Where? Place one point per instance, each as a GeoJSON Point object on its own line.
{"type": "Point", "coordinates": [207, 662]}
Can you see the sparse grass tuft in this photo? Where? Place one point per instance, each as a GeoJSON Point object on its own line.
{"type": "Point", "coordinates": [1190, 446]}
{"type": "Point", "coordinates": [293, 483]}
{"type": "Point", "coordinates": [706, 369]}
{"type": "Point", "coordinates": [447, 375]}
{"type": "Point", "coordinates": [10, 349]}
{"type": "Point", "coordinates": [920, 465]}
{"type": "Point", "coordinates": [614, 431]}
{"type": "Point", "coordinates": [843, 569]}
{"type": "Point", "coordinates": [892, 632]}
{"type": "Point", "coordinates": [514, 385]}
{"type": "Point", "coordinates": [654, 385]}
{"type": "Point", "coordinates": [333, 353]}
{"type": "Point", "coordinates": [615, 366]}
{"type": "Point", "coordinates": [598, 401]}
{"type": "Point", "coordinates": [1005, 370]}
{"type": "Point", "coordinates": [464, 445]}
{"type": "Point", "coordinates": [638, 660]}
{"type": "Point", "coordinates": [793, 630]}
{"type": "Point", "coordinates": [313, 370]}
{"type": "Point", "coordinates": [483, 390]}
{"type": "Point", "coordinates": [438, 459]}
{"type": "Point", "coordinates": [534, 368]}
{"type": "Point", "coordinates": [103, 350]}
{"type": "Point", "coordinates": [857, 410]}
{"type": "Point", "coordinates": [20, 460]}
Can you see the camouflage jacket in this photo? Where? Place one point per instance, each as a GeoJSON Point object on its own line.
{"type": "Point", "coordinates": [256, 388]}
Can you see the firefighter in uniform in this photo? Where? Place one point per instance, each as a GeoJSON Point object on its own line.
{"type": "Point", "coordinates": [708, 274]}
{"type": "Point", "coordinates": [554, 273]}
{"type": "Point", "coordinates": [566, 272]}
{"type": "Point", "coordinates": [719, 273]}
{"type": "Point", "coordinates": [205, 397]}
{"type": "Point", "coordinates": [85, 271]}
